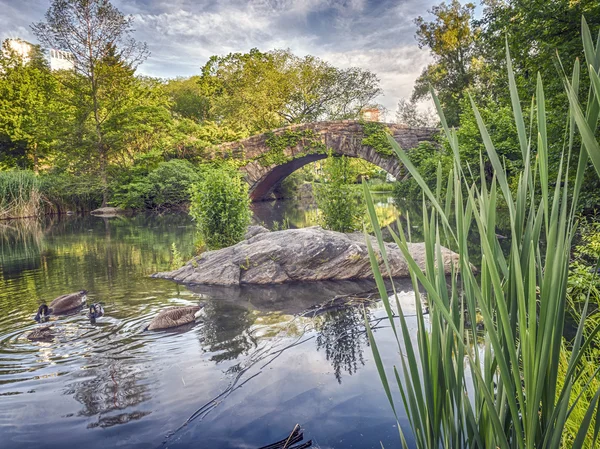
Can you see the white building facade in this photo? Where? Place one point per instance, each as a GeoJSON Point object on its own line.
{"type": "Point", "coordinates": [58, 59]}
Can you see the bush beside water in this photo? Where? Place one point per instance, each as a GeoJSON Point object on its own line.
{"type": "Point", "coordinates": [165, 186]}
{"type": "Point", "coordinates": [220, 205]}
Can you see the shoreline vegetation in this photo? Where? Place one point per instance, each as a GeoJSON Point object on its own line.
{"type": "Point", "coordinates": [520, 382]}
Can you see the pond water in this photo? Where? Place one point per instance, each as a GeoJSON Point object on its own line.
{"type": "Point", "coordinates": [264, 359]}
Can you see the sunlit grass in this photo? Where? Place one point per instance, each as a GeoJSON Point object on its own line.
{"type": "Point", "coordinates": [19, 194]}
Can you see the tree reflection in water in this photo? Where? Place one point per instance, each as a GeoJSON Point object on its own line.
{"type": "Point", "coordinates": [342, 335]}
{"type": "Point", "coordinates": [226, 330]}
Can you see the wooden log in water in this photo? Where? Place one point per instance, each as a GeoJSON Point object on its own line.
{"type": "Point", "coordinates": [296, 436]}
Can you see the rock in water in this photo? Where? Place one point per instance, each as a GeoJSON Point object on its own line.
{"type": "Point", "coordinates": [108, 211]}
{"type": "Point", "coordinates": [293, 255]}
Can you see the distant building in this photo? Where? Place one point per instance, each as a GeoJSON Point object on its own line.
{"type": "Point", "coordinates": [370, 114]}
{"type": "Point", "coordinates": [58, 59]}
{"type": "Point", "coordinates": [61, 60]}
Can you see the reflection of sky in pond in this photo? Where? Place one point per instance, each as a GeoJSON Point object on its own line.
{"type": "Point", "coordinates": [113, 384]}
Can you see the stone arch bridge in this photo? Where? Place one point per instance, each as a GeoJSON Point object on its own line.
{"type": "Point", "coordinates": [267, 159]}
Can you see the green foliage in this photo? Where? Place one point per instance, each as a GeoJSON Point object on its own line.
{"type": "Point", "coordinates": [428, 158]}
{"type": "Point", "coordinates": [584, 281]}
{"type": "Point", "coordinates": [30, 109]}
{"type": "Point", "coordinates": [376, 136]}
{"type": "Point", "coordinates": [65, 191]}
{"type": "Point", "coordinates": [259, 91]}
{"type": "Point", "coordinates": [583, 276]}
{"type": "Point", "coordinates": [187, 98]}
{"type": "Point", "coordinates": [510, 394]}
{"type": "Point", "coordinates": [452, 40]}
{"type": "Point", "coordinates": [176, 257]}
{"type": "Point", "coordinates": [279, 143]}
{"type": "Point", "coordinates": [165, 186]}
{"type": "Point", "coordinates": [337, 200]}
{"type": "Point", "coordinates": [501, 129]}
{"type": "Point", "coordinates": [19, 194]}
{"type": "Point", "coordinates": [221, 207]}
{"type": "Point", "coordinates": [105, 55]}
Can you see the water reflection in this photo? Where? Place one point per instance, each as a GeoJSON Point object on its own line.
{"type": "Point", "coordinates": [301, 213]}
{"type": "Point", "coordinates": [284, 357]}
{"type": "Point", "coordinates": [341, 335]}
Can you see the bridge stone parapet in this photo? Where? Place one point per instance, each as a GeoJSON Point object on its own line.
{"type": "Point", "coordinates": [269, 158]}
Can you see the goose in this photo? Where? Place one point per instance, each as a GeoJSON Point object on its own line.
{"type": "Point", "coordinates": [62, 304]}
{"type": "Point", "coordinates": [42, 333]}
{"type": "Point", "coordinates": [174, 317]}
{"type": "Point", "coordinates": [95, 311]}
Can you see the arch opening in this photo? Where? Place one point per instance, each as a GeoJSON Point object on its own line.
{"type": "Point", "coordinates": [268, 187]}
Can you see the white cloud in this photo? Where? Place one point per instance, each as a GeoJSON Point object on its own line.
{"type": "Point", "coordinates": [377, 35]}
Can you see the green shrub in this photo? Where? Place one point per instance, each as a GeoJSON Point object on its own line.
{"type": "Point", "coordinates": [583, 278]}
{"type": "Point", "coordinates": [19, 194]}
{"type": "Point", "coordinates": [337, 199]}
{"type": "Point", "coordinates": [221, 207]}
{"type": "Point", "coordinates": [171, 182]}
{"type": "Point", "coordinates": [165, 186]}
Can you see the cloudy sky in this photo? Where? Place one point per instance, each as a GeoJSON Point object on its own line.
{"type": "Point", "coordinates": [182, 34]}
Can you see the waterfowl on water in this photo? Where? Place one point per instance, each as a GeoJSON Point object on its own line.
{"type": "Point", "coordinates": [174, 317]}
{"type": "Point", "coordinates": [62, 304]}
{"type": "Point", "coordinates": [95, 311]}
{"type": "Point", "coordinates": [42, 333]}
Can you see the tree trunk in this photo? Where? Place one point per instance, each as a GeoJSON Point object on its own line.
{"type": "Point", "coordinates": [102, 150]}
{"type": "Point", "coordinates": [35, 158]}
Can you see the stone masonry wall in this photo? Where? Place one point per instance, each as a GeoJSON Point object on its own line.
{"type": "Point", "coordinates": [342, 137]}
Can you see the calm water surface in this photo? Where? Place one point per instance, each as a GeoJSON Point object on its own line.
{"type": "Point", "coordinates": [262, 361]}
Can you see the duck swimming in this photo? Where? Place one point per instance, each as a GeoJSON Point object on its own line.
{"type": "Point", "coordinates": [174, 317]}
{"type": "Point", "coordinates": [95, 311]}
{"type": "Point", "coordinates": [42, 333]}
{"type": "Point", "coordinates": [62, 304]}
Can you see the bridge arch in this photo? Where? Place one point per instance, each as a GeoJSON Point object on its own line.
{"type": "Point", "coordinates": [269, 158]}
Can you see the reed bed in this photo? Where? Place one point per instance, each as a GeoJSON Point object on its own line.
{"type": "Point", "coordinates": [20, 194]}
{"type": "Point", "coordinates": [503, 388]}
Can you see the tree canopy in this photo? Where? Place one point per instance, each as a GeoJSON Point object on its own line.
{"type": "Point", "coordinates": [260, 91]}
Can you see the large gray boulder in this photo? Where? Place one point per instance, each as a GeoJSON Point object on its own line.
{"type": "Point", "coordinates": [308, 254]}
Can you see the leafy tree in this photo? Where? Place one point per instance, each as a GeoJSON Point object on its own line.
{"type": "Point", "coordinates": [244, 89]}
{"type": "Point", "coordinates": [452, 42]}
{"type": "Point", "coordinates": [187, 98]}
{"type": "Point", "coordinates": [105, 56]}
{"type": "Point", "coordinates": [260, 91]}
{"type": "Point", "coordinates": [536, 31]}
{"type": "Point", "coordinates": [30, 108]}
{"type": "Point", "coordinates": [407, 113]}
{"type": "Point", "coordinates": [319, 91]}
